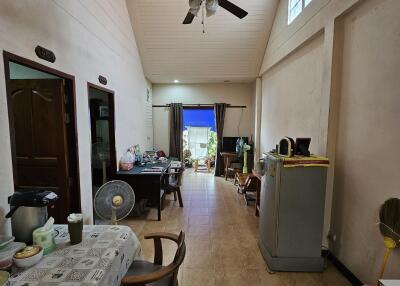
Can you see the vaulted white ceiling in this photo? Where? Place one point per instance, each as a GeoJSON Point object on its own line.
{"type": "Point", "coordinates": [230, 50]}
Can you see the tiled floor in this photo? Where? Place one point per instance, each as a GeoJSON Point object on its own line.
{"type": "Point", "coordinates": [221, 238]}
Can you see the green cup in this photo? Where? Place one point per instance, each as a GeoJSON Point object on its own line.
{"type": "Point", "coordinates": [75, 230]}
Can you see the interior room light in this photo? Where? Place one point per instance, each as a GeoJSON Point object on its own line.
{"type": "Point", "coordinates": [176, 81]}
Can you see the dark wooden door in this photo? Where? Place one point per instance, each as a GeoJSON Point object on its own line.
{"type": "Point", "coordinates": [39, 126]}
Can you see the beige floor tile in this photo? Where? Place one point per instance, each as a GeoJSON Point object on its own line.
{"type": "Point", "coordinates": [221, 238]}
{"type": "Point", "coordinates": [199, 230]}
{"type": "Point", "coordinates": [198, 277]}
{"type": "Point", "coordinates": [234, 277]}
{"type": "Point", "coordinates": [199, 259]}
{"type": "Point", "coordinates": [199, 220]}
{"type": "Point", "coordinates": [199, 211]}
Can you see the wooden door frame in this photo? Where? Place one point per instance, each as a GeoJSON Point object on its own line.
{"type": "Point", "coordinates": [113, 151]}
{"type": "Point", "coordinates": [111, 105]}
{"type": "Point", "coordinates": [72, 131]}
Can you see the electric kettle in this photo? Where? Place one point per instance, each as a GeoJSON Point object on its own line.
{"type": "Point", "coordinates": [28, 211]}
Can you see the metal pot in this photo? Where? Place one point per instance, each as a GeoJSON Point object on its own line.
{"type": "Point", "coordinates": [25, 220]}
{"type": "Point", "coordinates": [28, 211]}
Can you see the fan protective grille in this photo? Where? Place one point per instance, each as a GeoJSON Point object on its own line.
{"type": "Point", "coordinates": [104, 196]}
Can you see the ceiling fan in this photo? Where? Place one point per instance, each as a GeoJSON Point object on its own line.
{"type": "Point", "coordinates": [211, 8]}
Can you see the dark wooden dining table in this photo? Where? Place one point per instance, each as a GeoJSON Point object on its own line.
{"type": "Point", "coordinates": [147, 185]}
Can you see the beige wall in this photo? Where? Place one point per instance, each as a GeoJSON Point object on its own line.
{"type": "Point", "coordinates": [257, 97]}
{"type": "Point", "coordinates": [284, 38]}
{"type": "Point", "coordinates": [149, 117]}
{"type": "Point", "coordinates": [291, 94]}
{"type": "Point", "coordinates": [350, 111]}
{"type": "Point", "coordinates": [238, 122]}
{"type": "Point", "coordinates": [89, 38]}
{"type": "Point", "coordinates": [367, 163]}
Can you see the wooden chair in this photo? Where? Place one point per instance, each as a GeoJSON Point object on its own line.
{"type": "Point", "coordinates": [233, 168]}
{"type": "Point", "coordinates": [240, 179]}
{"type": "Point", "coordinates": [174, 186]}
{"type": "Point", "coordinates": [142, 273]}
{"type": "Point", "coordinates": [249, 188]}
{"type": "Point", "coordinates": [205, 165]}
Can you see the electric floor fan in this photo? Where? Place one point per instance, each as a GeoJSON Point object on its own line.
{"type": "Point", "coordinates": [114, 201]}
{"type": "Point", "coordinates": [389, 225]}
{"type": "Point", "coordinates": [246, 148]}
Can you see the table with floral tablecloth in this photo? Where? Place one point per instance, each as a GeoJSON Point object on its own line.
{"type": "Point", "coordinates": [102, 258]}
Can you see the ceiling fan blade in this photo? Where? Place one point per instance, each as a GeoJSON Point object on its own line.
{"type": "Point", "coordinates": [235, 10]}
{"type": "Point", "coordinates": [188, 19]}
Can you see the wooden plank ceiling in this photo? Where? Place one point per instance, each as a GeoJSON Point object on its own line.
{"type": "Point", "coordinates": [230, 50]}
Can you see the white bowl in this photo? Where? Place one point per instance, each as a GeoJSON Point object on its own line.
{"type": "Point", "coordinates": [7, 254]}
{"type": "Point", "coordinates": [28, 261]}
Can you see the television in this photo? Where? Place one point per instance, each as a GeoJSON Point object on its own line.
{"type": "Point", "coordinates": [229, 143]}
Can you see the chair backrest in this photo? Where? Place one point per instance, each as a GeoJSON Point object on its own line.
{"type": "Point", "coordinates": [179, 176]}
{"type": "Point", "coordinates": [179, 257]}
{"type": "Point", "coordinates": [181, 250]}
{"type": "Point", "coordinates": [251, 183]}
{"type": "Point", "coordinates": [170, 271]}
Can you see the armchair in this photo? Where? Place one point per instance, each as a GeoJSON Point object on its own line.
{"type": "Point", "coordinates": [142, 273]}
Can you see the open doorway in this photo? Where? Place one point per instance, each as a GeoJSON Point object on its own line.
{"type": "Point", "coordinates": [41, 110]}
{"type": "Point", "coordinates": [199, 138]}
{"type": "Point", "coordinates": [102, 129]}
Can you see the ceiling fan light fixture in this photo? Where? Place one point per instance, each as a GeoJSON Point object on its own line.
{"type": "Point", "coordinates": [211, 7]}
{"type": "Point", "coordinates": [195, 3]}
{"type": "Point", "coordinates": [194, 11]}
{"type": "Point", "coordinates": [195, 6]}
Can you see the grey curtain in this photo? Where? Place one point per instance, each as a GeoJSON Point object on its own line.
{"type": "Point", "coordinates": [219, 111]}
{"type": "Point", "coordinates": [175, 130]}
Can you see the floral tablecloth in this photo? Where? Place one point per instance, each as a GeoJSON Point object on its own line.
{"type": "Point", "coordinates": [102, 258]}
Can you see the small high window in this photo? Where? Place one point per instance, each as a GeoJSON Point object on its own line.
{"type": "Point", "coordinates": [295, 7]}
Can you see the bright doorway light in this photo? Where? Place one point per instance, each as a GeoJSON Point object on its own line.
{"type": "Point", "coordinates": [176, 81]}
